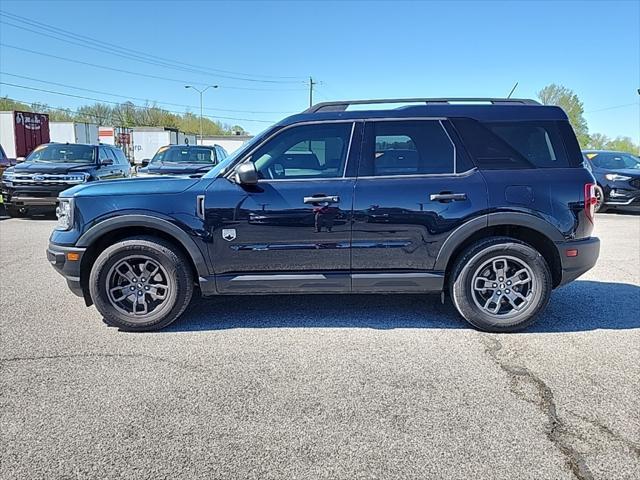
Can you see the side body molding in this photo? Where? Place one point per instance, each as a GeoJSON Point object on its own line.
{"type": "Point", "coordinates": [148, 221]}
{"type": "Point", "coordinates": [464, 231]}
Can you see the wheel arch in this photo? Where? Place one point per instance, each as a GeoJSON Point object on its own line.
{"type": "Point", "coordinates": [115, 229]}
{"type": "Point", "coordinates": [522, 226]}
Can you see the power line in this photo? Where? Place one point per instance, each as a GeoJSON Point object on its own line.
{"type": "Point", "coordinates": [138, 98]}
{"type": "Point", "coordinates": [612, 108]}
{"type": "Point", "coordinates": [131, 104]}
{"type": "Point", "coordinates": [146, 61]}
{"type": "Point", "coordinates": [136, 53]}
{"type": "Point", "coordinates": [147, 75]}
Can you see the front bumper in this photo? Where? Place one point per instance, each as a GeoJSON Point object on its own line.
{"type": "Point", "coordinates": [67, 265]}
{"type": "Point", "coordinates": [32, 195]}
{"type": "Point", "coordinates": [586, 257]}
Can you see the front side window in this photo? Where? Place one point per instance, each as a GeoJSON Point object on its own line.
{"type": "Point", "coordinates": [63, 153]}
{"type": "Point", "coordinates": [407, 147]}
{"type": "Point", "coordinates": [305, 152]}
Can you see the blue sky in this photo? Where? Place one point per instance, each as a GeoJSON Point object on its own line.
{"type": "Point", "coordinates": [354, 49]}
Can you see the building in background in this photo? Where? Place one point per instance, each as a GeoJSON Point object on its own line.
{"type": "Point", "coordinates": [73, 132]}
{"type": "Point", "coordinates": [229, 142]}
{"type": "Point", "coordinates": [21, 132]}
{"type": "Point", "coordinates": [147, 140]}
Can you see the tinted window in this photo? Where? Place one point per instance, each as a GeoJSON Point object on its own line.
{"type": "Point", "coordinates": [412, 147]}
{"type": "Point", "coordinates": [184, 155]}
{"type": "Point", "coordinates": [120, 156]}
{"type": "Point", "coordinates": [308, 151]}
{"type": "Point", "coordinates": [508, 145]}
{"type": "Point", "coordinates": [54, 153]}
{"type": "Point", "coordinates": [105, 154]}
{"type": "Point", "coordinates": [614, 160]}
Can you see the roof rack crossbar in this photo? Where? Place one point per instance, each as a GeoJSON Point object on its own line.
{"type": "Point", "coordinates": [341, 106]}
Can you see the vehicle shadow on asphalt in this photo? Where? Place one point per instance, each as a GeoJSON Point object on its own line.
{"type": "Point", "coordinates": [579, 306]}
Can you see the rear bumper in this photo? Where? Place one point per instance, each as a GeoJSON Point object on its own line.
{"type": "Point", "coordinates": [574, 266]}
{"type": "Point", "coordinates": [58, 257]}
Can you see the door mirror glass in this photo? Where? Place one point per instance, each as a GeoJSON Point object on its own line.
{"type": "Point", "coordinates": [145, 162]}
{"type": "Point", "coordinates": [106, 161]}
{"type": "Point", "coordinates": [246, 174]}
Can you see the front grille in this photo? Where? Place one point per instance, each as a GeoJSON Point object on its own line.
{"type": "Point", "coordinates": [635, 183]}
{"type": "Point", "coordinates": [46, 179]}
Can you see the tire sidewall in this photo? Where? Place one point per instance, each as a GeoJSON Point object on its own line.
{"type": "Point", "coordinates": [163, 315]}
{"type": "Point", "coordinates": [462, 291]}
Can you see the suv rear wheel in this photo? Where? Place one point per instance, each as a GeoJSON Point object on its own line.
{"type": "Point", "coordinates": [500, 284]}
{"type": "Point", "coordinates": [141, 283]}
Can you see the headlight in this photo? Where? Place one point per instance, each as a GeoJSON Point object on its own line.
{"type": "Point", "coordinates": [7, 177]}
{"type": "Point", "coordinates": [614, 177]}
{"type": "Point", "coordinates": [64, 212]}
{"type": "Point", "coordinates": [80, 177]}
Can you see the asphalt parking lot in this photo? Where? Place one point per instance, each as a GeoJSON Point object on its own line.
{"type": "Point", "coordinates": [320, 386]}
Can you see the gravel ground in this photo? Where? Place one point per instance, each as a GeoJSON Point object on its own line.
{"type": "Point", "coordinates": [320, 386]}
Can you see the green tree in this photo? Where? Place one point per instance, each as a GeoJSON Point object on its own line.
{"type": "Point", "coordinates": [572, 105]}
{"type": "Point", "coordinates": [598, 141]}
{"type": "Point", "coordinates": [623, 144]}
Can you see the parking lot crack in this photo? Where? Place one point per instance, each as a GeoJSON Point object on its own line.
{"type": "Point", "coordinates": [609, 432]}
{"type": "Point", "coordinates": [557, 431]}
{"type": "Point", "coordinates": [35, 358]}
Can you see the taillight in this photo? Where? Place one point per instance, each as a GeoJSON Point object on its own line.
{"type": "Point", "coordinates": [590, 200]}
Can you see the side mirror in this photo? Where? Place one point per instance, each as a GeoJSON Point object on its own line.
{"type": "Point", "coordinates": [145, 162]}
{"type": "Point", "coordinates": [106, 162]}
{"type": "Point", "coordinates": [246, 174]}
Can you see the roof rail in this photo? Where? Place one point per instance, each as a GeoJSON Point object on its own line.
{"type": "Point", "coordinates": [341, 106]}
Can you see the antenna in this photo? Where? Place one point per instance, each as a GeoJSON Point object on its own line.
{"type": "Point", "coordinates": [512, 90]}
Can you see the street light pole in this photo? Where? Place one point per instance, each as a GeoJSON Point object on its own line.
{"type": "Point", "coordinates": [201, 92]}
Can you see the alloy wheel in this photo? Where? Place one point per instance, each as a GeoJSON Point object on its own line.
{"type": "Point", "coordinates": [137, 285]}
{"type": "Point", "coordinates": [503, 287]}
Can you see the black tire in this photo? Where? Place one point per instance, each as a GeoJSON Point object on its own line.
{"type": "Point", "coordinates": [467, 299]}
{"type": "Point", "coordinates": [600, 206]}
{"type": "Point", "coordinates": [15, 212]}
{"type": "Point", "coordinates": [175, 271]}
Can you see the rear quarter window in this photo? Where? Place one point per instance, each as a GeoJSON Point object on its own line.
{"type": "Point", "coordinates": [527, 144]}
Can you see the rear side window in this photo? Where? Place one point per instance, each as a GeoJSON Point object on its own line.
{"type": "Point", "coordinates": [407, 147]}
{"type": "Point", "coordinates": [508, 145]}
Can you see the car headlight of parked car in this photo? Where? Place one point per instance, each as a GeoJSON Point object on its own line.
{"type": "Point", "coordinates": [614, 177]}
{"type": "Point", "coordinates": [79, 177]}
{"type": "Point", "coordinates": [64, 212]}
{"type": "Point", "coordinates": [7, 178]}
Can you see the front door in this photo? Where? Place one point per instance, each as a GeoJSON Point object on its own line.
{"type": "Point", "coordinates": [292, 231]}
{"type": "Point", "coordinates": [414, 188]}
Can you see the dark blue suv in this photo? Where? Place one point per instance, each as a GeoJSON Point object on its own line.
{"type": "Point", "coordinates": [484, 200]}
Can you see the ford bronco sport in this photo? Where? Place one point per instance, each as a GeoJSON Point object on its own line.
{"type": "Point", "coordinates": [484, 200]}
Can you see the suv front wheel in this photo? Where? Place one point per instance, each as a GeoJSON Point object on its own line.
{"type": "Point", "coordinates": [141, 283]}
{"type": "Point", "coordinates": [500, 284]}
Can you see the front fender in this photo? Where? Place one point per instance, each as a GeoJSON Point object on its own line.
{"type": "Point", "coordinates": [148, 221]}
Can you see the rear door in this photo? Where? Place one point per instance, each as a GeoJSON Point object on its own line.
{"type": "Point", "coordinates": [292, 231]}
{"type": "Point", "coordinates": [415, 187]}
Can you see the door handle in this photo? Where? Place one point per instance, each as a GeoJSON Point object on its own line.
{"type": "Point", "coordinates": [447, 197]}
{"type": "Point", "coordinates": [322, 199]}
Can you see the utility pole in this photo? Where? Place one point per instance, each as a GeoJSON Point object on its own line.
{"type": "Point", "coordinates": [201, 92]}
{"type": "Point", "coordinates": [311, 84]}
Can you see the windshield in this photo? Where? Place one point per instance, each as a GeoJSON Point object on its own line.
{"type": "Point", "coordinates": [231, 159]}
{"type": "Point", "coordinates": [184, 155]}
{"type": "Point", "coordinates": [53, 153]}
{"type": "Point", "coordinates": [614, 160]}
